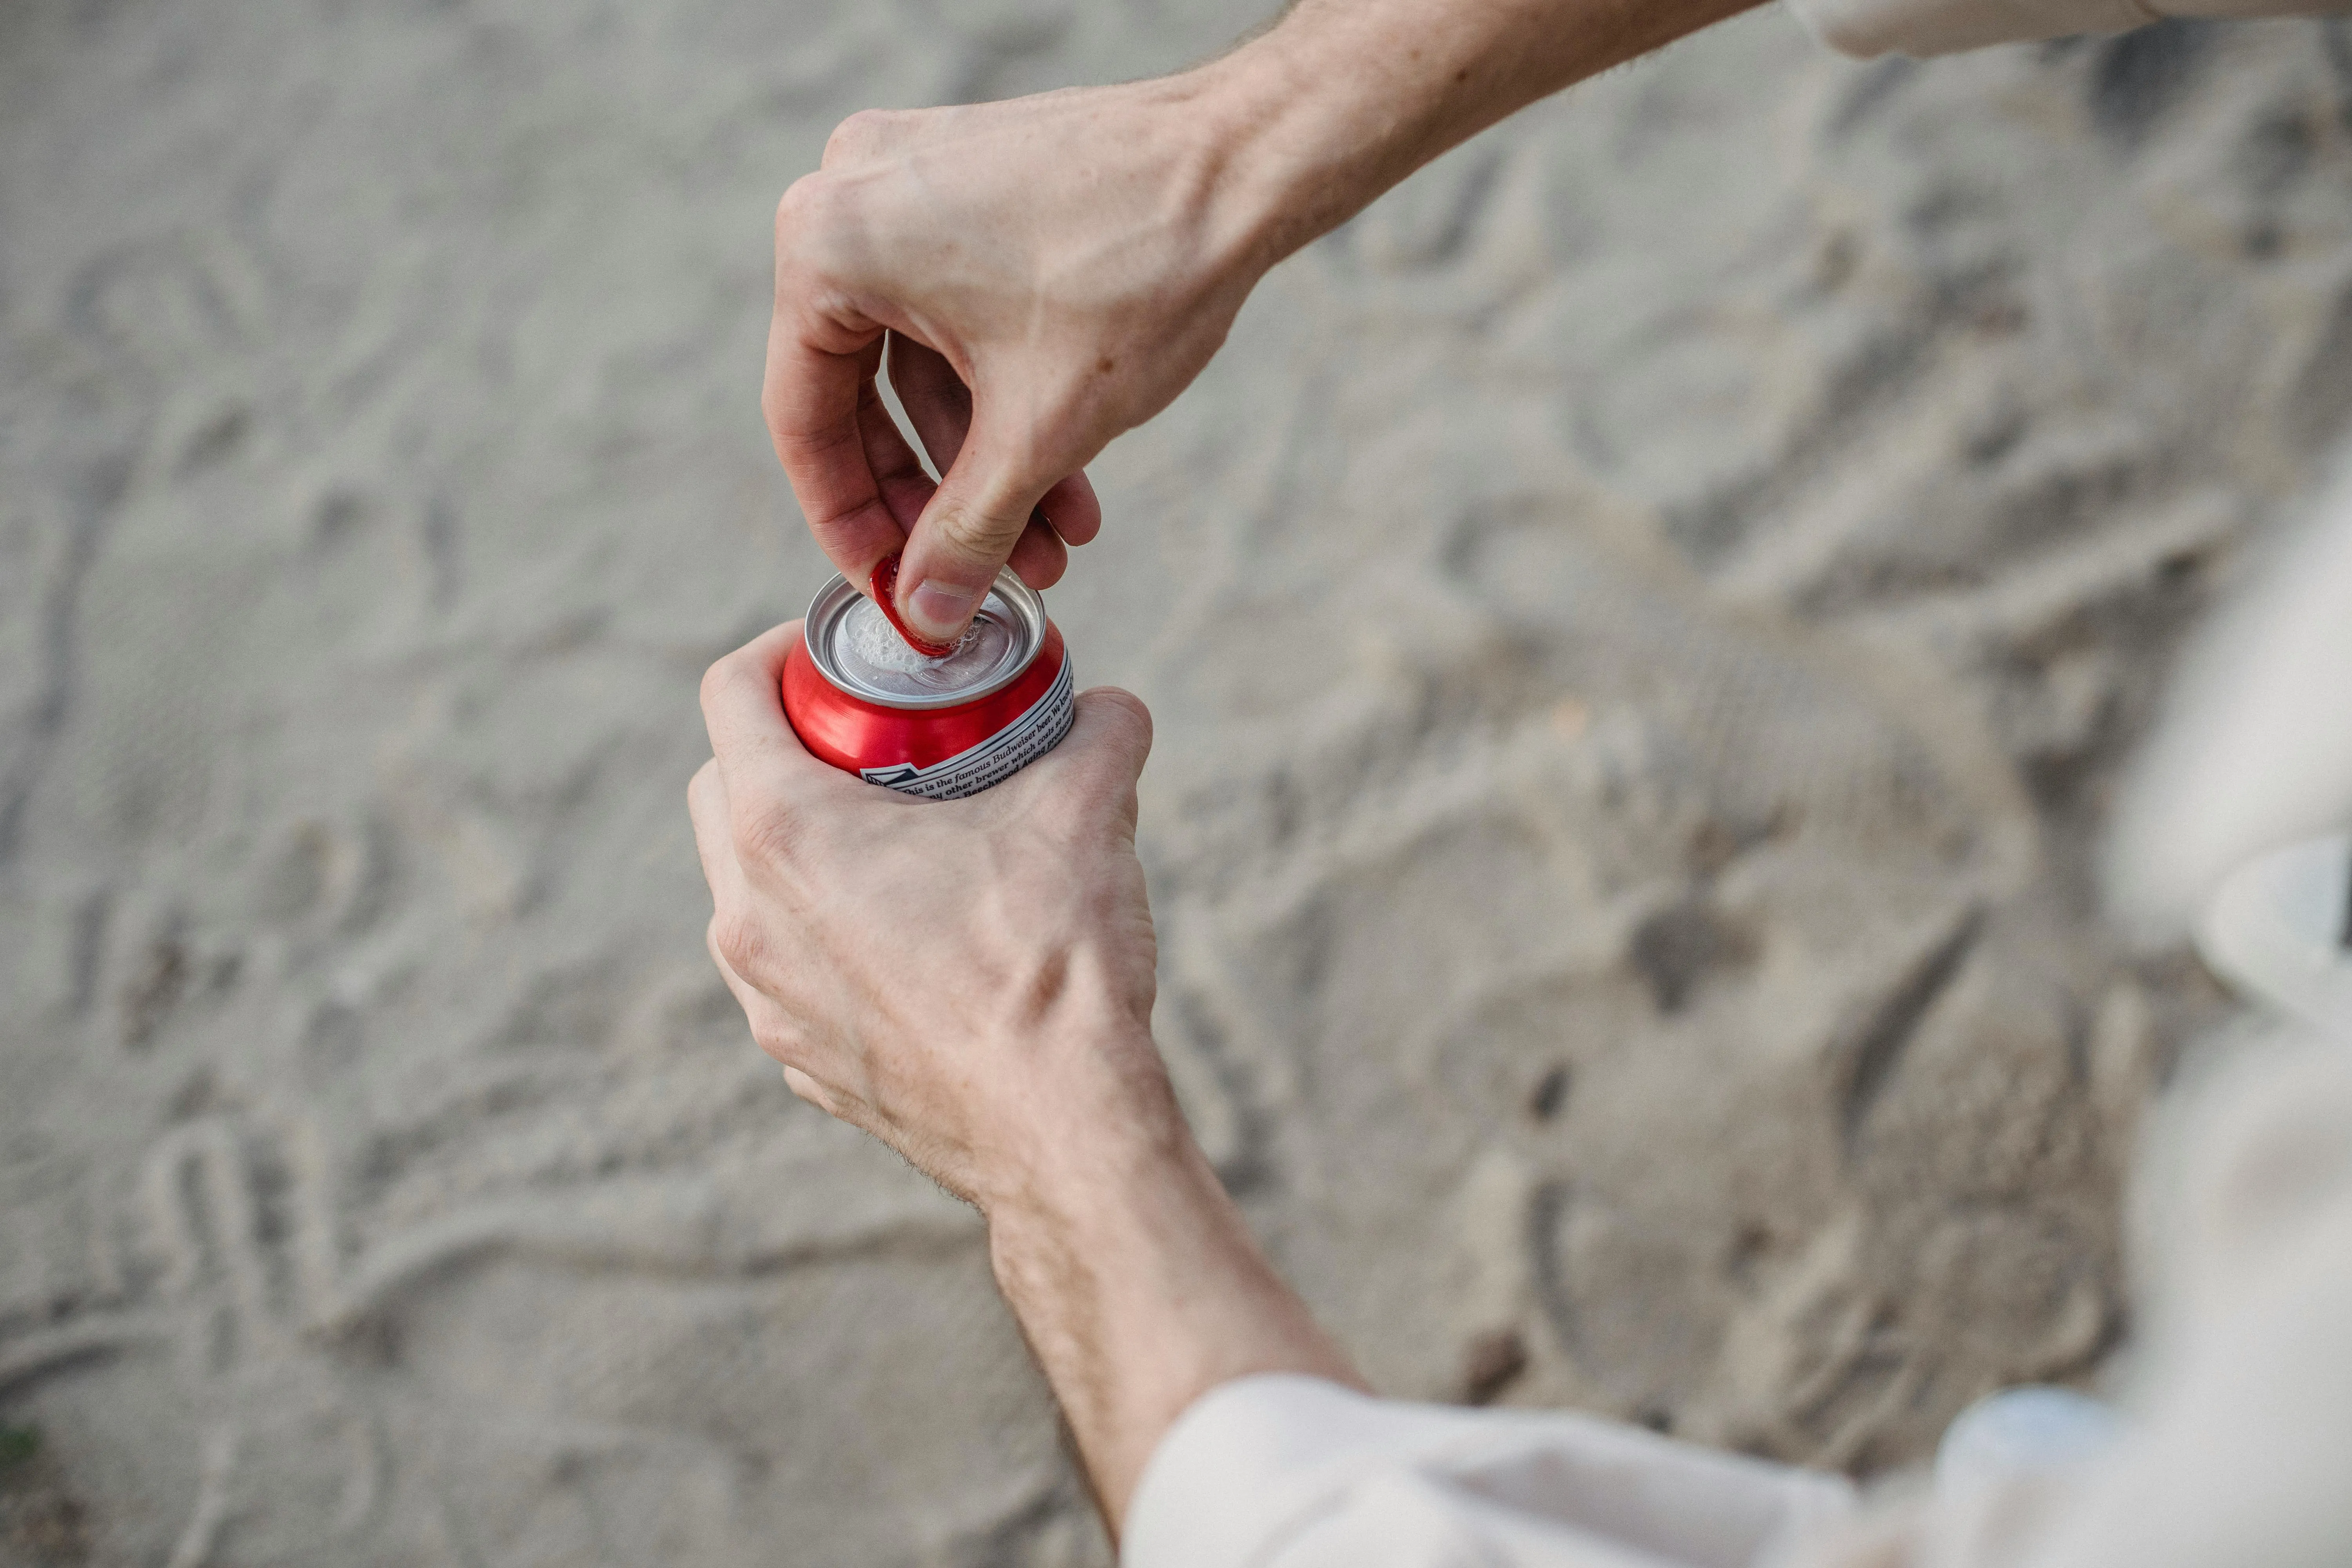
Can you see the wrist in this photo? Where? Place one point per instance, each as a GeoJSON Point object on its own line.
{"type": "Point", "coordinates": [1098, 1118]}
{"type": "Point", "coordinates": [1140, 1288]}
{"type": "Point", "coordinates": [1314, 119]}
{"type": "Point", "coordinates": [1292, 151]}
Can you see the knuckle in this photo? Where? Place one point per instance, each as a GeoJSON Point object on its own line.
{"type": "Point", "coordinates": [809, 218]}
{"type": "Point", "coordinates": [855, 136]}
{"type": "Point", "coordinates": [799, 204]}
{"type": "Point", "coordinates": [715, 681]}
{"type": "Point", "coordinates": [775, 1035]}
{"type": "Point", "coordinates": [738, 941]}
{"type": "Point", "coordinates": [972, 532]}
{"type": "Point", "coordinates": [767, 833]}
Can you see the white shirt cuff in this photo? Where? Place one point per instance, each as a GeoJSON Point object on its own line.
{"type": "Point", "coordinates": [1263, 1462]}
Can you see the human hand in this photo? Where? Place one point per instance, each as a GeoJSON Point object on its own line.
{"type": "Point", "coordinates": [969, 981]}
{"type": "Point", "coordinates": [1050, 272]}
{"type": "Point", "coordinates": [1053, 270]}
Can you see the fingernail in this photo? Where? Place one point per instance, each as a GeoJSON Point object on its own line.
{"type": "Point", "coordinates": [938, 610]}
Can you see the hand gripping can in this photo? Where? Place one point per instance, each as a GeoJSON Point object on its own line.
{"type": "Point", "coordinates": [863, 701]}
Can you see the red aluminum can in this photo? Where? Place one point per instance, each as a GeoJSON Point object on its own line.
{"type": "Point", "coordinates": [864, 701]}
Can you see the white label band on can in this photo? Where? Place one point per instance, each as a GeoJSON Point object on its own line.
{"type": "Point", "coordinates": [996, 759]}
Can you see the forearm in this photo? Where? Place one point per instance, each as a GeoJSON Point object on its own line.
{"type": "Point", "coordinates": [1343, 99]}
{"type": "Point", "coordinates": [1136, 1282]}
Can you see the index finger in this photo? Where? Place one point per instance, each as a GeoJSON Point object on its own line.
{"type": "Point", "coordinates": [812, 401]}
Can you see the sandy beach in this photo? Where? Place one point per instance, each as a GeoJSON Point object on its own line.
{"type": "Point", "coordinates": [1645, 626]}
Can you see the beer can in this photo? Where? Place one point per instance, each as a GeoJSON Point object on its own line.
{"type": "Point", "coordinates": [861, 699]}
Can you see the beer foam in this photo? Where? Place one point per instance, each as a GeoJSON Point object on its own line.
{"type": "Point", "coordinates": [869, 647]}
{"type": "Point", "coordinates": [868, 634]}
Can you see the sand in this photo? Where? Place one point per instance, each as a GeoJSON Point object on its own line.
{"type": "Point", "coordinates": [1643, 625]}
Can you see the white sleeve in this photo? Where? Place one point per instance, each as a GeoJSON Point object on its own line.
{"type": "Point", "coordinates": [2241, 1438]}
{"type": "Point", "coordinates": [1295, 1472]}
{"type": "Point", "coordinates": [1867, 28]}
{"type": "Point", "coordinates": [2246, 1442]}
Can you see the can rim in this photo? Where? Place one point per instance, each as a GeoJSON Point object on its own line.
{"type": "Point", "coordinates": [839, 594]}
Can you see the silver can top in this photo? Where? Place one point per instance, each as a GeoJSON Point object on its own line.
{"type": "Point", "coordinates": [858, 650]}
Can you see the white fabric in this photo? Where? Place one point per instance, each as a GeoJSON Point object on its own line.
{"type": "Point", "coordinates": [2256, 746]}
{"type": "Point", "coordinates": [1295, 1472]}
{"type": "Point", "coordinates": [2239, 1454]}
{"type": "Point", "coordinates": [2244, 1441]}
{"type": "Point", "coordinates": [1921, 27]}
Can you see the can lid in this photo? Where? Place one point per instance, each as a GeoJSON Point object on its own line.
{"type": "Point", "coordinates": [856, 649]}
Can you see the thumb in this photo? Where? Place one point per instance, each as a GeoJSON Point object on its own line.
{"type": "Point", "coordinates": [967, 532]}
{"type": "Point", "coordinates": [1115, 724]}
{"type": "Point", "coordinates": [1104, 752]}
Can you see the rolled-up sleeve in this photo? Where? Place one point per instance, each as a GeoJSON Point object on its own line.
{"type": "Point", "coordinates": [1922, 27]}
{"type": "Point", "coordinates": [1295, 1472]}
